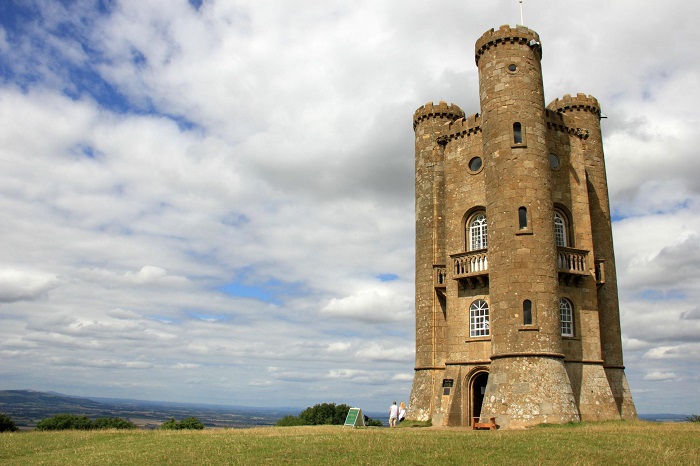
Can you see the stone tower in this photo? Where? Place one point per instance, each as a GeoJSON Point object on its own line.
{"type": "Point", "coordinates": [516, 294]}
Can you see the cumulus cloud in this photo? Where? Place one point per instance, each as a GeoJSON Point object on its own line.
{"type": "Point", "coordinates": [371, 305]}
{"type": "Point", "coordinates": [21, 285]}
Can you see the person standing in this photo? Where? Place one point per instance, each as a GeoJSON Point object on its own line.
{"type": "Point", "coordinates": [402, 412]}
{"type": "Point", "coordinates": [393, 415]}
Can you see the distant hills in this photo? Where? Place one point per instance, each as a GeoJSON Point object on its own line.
{"type": "Point", "coordinates": [27, 407]}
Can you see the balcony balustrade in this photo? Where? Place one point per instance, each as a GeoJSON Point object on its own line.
{"type": "Point", "coordinates": [471, 267]}
{"type": "Point", "coordinates": [571, 264]}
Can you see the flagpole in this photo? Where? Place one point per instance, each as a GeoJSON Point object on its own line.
{"type": "Point", "coordinates": [522, 23]}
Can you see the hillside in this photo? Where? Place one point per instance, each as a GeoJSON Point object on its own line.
{"type": "Point", "coordinates": [27, 407]}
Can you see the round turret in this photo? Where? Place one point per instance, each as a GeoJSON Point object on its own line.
{"type": "Point", "coordinates": [507, 35]}
{"type": "Point", "coordinates": [442, 110]}
{"type": "Point", "coordinates": [581, 102]}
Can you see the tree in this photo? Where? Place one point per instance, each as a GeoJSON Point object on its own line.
{"type": "Point", "coordinates": [320, 414]}
{"type": "Point", "coordinates": [112, 423]}
{"type": "Point", "coordinates": [7, 424]}
{"type": "Point", "coordinates": [693, 418]}
{"type": "Point", "coordinates": [188, 423]}
{"type": "Point", "coordinates": [325, 413]}
{"type": "Point", "coordinates": [289, 420]}
{"type": "Point", "coordinates": [65, 422]}
{"type": "Point", "coordinates": [191, 423]}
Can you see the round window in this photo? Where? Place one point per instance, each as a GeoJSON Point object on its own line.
{"type": "Point", "coordinates": [512, 68]}
{"type": "Point", "coordinates": [553, 161]}
{"type": "Point", "coordinates": [475, 164]}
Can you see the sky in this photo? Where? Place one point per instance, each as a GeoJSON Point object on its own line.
{"type": "Point", "coordinates": [213, 201]}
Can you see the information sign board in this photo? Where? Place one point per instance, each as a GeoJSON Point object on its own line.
{"type": "Point", "coordinates": [355, 418]}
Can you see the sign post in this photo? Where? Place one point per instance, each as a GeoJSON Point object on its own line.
{"type": "Point", "coordinates": [355, 418]}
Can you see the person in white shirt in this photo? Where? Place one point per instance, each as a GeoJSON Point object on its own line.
{"type": "Point", "coordinates": [402, 412]}
{"type": "Point", "coordinates": [393, 415]}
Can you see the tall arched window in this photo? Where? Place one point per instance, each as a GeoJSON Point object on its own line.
{"type": "Point", "coordinates": [566, 311]}
{"type": "Point", "coordinates": [561, 229]}
{"type": "Point", "coordinates": [522, 218]}
{"type": "Point", "coordinates": [478, 237]}
{"type": "Point", "coordinates": [479, 319]}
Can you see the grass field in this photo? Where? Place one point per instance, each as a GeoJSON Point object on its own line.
{"type": "Point", "coordinates": [607, 443]}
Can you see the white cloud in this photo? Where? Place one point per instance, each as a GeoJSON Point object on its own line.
{"type": "Point", "coordinates": [22, 285]}
{"type": "Point", "coordinates": [657, 376]}
{"type": "Point", "coordinates": [373, 305]}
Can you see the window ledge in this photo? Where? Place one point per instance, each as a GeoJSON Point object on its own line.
{"type": "Point", "coordinates": [528, 328]}
{"type": "Point", "coordinates": [473, 339]}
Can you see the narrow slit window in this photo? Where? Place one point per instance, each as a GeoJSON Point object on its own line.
{"type": "Point", "coordinates": [527, 312]}
{"type": "Point", "coordinates": [517, 133]}
{"type": "Point", "coordinates": [522, 217]}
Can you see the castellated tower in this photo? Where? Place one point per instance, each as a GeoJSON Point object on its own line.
{"type": "Point", "coordinates": [516, 295]}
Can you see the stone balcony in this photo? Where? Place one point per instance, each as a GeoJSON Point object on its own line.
{"type": "Point", "coordinates": [472, 268]}
{"type": "Point", "coordinates": [571, 265]}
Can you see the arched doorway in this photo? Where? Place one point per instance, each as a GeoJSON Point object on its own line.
{"type": "Point", "coordinates": [477, 388]}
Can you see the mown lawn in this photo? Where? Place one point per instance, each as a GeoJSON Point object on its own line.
{"type": "Point", "coordinates": [608, 443]}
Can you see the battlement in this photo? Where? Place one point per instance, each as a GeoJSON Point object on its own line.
{"type": "Point", "coordinates": [463, 127]}
{"type": "Point", "coordinates": [581, 102]}
{"type": "Point", "coordinates": [555, 120]}
{"type": "Point", "coordinates": [439, 110]}
{"type": "Point", "coordinates": [506, 34]}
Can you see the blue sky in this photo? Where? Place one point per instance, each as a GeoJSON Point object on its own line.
{"type": "Point", "coordinates": [212, 201]}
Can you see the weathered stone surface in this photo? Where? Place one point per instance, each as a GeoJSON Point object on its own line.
{"type": "Point", "coordinates": [499, 163]}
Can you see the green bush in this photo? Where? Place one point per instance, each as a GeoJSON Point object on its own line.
{"type": "Point", "coordinates": [65, 422]}
{"type": "Point", "coordinates": [7, 424]}
{"type": "Point", "coordinates": [325, 413]}
{"type": "Point", "coordinates": [112, 423]}
{"type": "Point", "coordinates": [289, 420]}
{"type": "Point", "coordinates": [188, 423]}
{"type": "Point", "coordinates": [321, 414]}
{"type": "Point", "coordinates": [74, 422]}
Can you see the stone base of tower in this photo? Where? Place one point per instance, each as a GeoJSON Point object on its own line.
{"type": "Point", "coordinates": [592, 391]}
{"type": "Point", "coordinates": [621, 392]}
{"type": "Point", "coordinates": [525, 391]}
{"type": "Point", "coordinates": [420, 407]}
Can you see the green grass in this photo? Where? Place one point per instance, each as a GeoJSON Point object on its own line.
{"type": "Point", "coordinates": [636, 443]}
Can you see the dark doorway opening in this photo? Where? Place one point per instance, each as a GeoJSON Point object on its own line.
{"type": "Point", "coordinates": [478, 389]}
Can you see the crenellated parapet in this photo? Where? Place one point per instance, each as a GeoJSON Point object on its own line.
{"type": "Point", "coordinates": [463, 127]}
{"type": "Point", "coordinates": [507, 34]}
{"type": "Point", "coordinates": [578, 103]}
{"type": "Point", "coordinates": [555, 120]}
{"type": "Point", "coordinates": [442, 109]}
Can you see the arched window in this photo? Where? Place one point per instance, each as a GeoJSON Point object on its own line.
{"type": "Point", "coordinates": [561, 229]}
{"type": "Point", "coordinates": [566, 311]}
{"type": "Point", "coordinates": [478, 238]}
{"type": "Point", "coordinates": [522, 217]}
{"type": "Point", "coordinates": [479, 319]}
{"type": "Point", "coordinates": [527, 312]}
